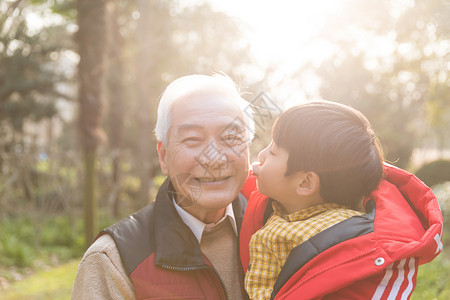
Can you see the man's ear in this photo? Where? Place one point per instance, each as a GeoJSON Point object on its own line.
{"type": "Point", "coordinates": [308, 183]}
{"type": "Point", "coordinates": [162, 157]}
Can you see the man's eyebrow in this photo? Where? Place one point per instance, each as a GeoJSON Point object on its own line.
{"type": "Point", "coordinates": [185, 127]}
{"type": "Point", "coordinates": [232, 126]}
{"type": "Point", "coordinates": [235, 125]}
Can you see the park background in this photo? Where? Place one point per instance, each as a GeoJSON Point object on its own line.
{"type": "Point", "coordinates": [80, 82]}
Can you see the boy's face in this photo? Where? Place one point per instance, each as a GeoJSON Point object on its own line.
{"type": "Point", "coordinates": [271, 171]}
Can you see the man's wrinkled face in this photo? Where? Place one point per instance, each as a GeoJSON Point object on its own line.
{"type": "Point", "coordinates": [206, 156]}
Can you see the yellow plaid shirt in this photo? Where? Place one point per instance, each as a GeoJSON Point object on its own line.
{"type": "Point", "coordinates": [270, 246]}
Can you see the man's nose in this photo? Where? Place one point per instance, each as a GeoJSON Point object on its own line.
{"type": "Point", "coordinates": [213, 157]}
{"type": "Point", "coordinates": [220, 160]}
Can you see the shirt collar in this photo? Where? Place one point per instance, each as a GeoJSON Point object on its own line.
{"type": "Point", "coordinates": [197, 227]}
{"type": "Point", "coordinates": [305, 213]}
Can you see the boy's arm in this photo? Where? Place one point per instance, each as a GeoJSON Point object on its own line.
{"type": "Point", "coordinates": [263, 270]}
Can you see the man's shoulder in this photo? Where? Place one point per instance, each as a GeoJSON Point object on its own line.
{"type": "Point", "coordinates": [133, 224]}
{"type": "Point", "coordinates": [133, 237]}
{"type": "Point", "coordinates": [103, 244]}
{"type": "Point", "coordinates": [136, 228]}
{"type": "Point", "coordinates": [103, 249]}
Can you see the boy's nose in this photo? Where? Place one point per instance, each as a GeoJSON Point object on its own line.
{"type": "Point", "coordinates": [262, 155]}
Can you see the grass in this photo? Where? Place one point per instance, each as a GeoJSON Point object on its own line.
{"type": "Point", "coordinates": [433, 281]}
{"type": "Point", "coordinates": [54, 284]}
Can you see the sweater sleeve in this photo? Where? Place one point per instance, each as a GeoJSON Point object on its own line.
{"type": "Point", "coordinates": [101, 274]}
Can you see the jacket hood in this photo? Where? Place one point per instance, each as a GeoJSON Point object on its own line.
{"type": "Point", "coordinates": [404, 201]}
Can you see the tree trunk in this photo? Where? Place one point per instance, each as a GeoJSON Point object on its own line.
{"type": "Point", "coordinates": [91, 47]}
{"type": "Point", "coordinates": [145, 100]}
{"type": "Point", "coordinates": [90, 201]}
{"type": "Point", "coordinates": [116, 107]}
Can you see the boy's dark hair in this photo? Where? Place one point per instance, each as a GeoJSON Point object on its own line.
{"type": "Point", "coordinates": [336, 142]}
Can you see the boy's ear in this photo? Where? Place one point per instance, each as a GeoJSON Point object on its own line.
{"type": "Point", "coordinates": [308, 183]}
{"type": "Point", "coordinates": [162, 157]}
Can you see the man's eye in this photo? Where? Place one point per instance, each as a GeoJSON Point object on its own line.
{"type": "Point", "coordinates": [191, 140]}
{"type": "Point", "coordinates": [233, 139]}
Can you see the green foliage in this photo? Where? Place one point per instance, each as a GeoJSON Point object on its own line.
{"type": "Point", "coordinates": [25, 239]}
{"type": "Point", "coordinates": [392, 90]}
{"type": "Point", "coordinates": [53, 284]}
{"type": "Point", "coordinates": [15, 252]}
{"type": "Point", "coordinates": [20, 237]}
{"type": "Point", "coordinates": [130, 188]}
{"type": "Point", "coordinates": [57, 232]}
{"type": "Point", "coordinates": [16, 242]}
{"type": "Point", "coordinates": [434, 172]}
{"type": "Point", "coordinates": [29, 75]}
{"type": "Point", "coordinates": [64, 8]}
{"type": "Point", "coordinates": [432, 279]}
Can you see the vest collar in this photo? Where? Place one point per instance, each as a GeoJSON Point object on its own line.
{"type": "Point", "coordinates": [176, 247]}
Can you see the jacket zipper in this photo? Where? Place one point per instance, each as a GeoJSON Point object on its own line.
{"type": "Point", "coordinates": [185, 269]}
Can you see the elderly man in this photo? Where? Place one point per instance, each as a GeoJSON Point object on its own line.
{"type": "Point", "coordinates": [183, 245]}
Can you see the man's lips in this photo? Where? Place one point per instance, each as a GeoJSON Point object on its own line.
{"type": "Point", "coordinates": [212, 179]}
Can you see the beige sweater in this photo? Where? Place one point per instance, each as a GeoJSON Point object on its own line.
{"type": "Point", "coordinates": [101, 274]}
{"type": "Point", "coordinates": [220, 246]}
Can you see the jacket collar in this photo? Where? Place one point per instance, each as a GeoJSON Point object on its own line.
{"type": "Point", "coordinates": [176, 245]}
{"type": "Point", "coordinates": [197, 226]}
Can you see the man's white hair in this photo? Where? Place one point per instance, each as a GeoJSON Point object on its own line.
{"type": "Point", "coordinates": [193, 84]}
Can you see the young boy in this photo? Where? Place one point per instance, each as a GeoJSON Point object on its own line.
{"type": "Point", "coordinates": [323, 161]}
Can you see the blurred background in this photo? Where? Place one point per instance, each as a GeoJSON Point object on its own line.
{"type": "Point", "coordinates": [80, 82]}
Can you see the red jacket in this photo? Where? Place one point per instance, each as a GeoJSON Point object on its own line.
{"type": "Point", "coordinates": [374, 256]}
{"type": "Point", "coordinates": [161, 255]}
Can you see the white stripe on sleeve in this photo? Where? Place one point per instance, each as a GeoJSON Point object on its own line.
{"type": "Point", "coordinates": [384, 282]}
{"type": "Point", "coordinates": [412, 271]}
{"type": "Point", "coordinates": [399, 280]}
